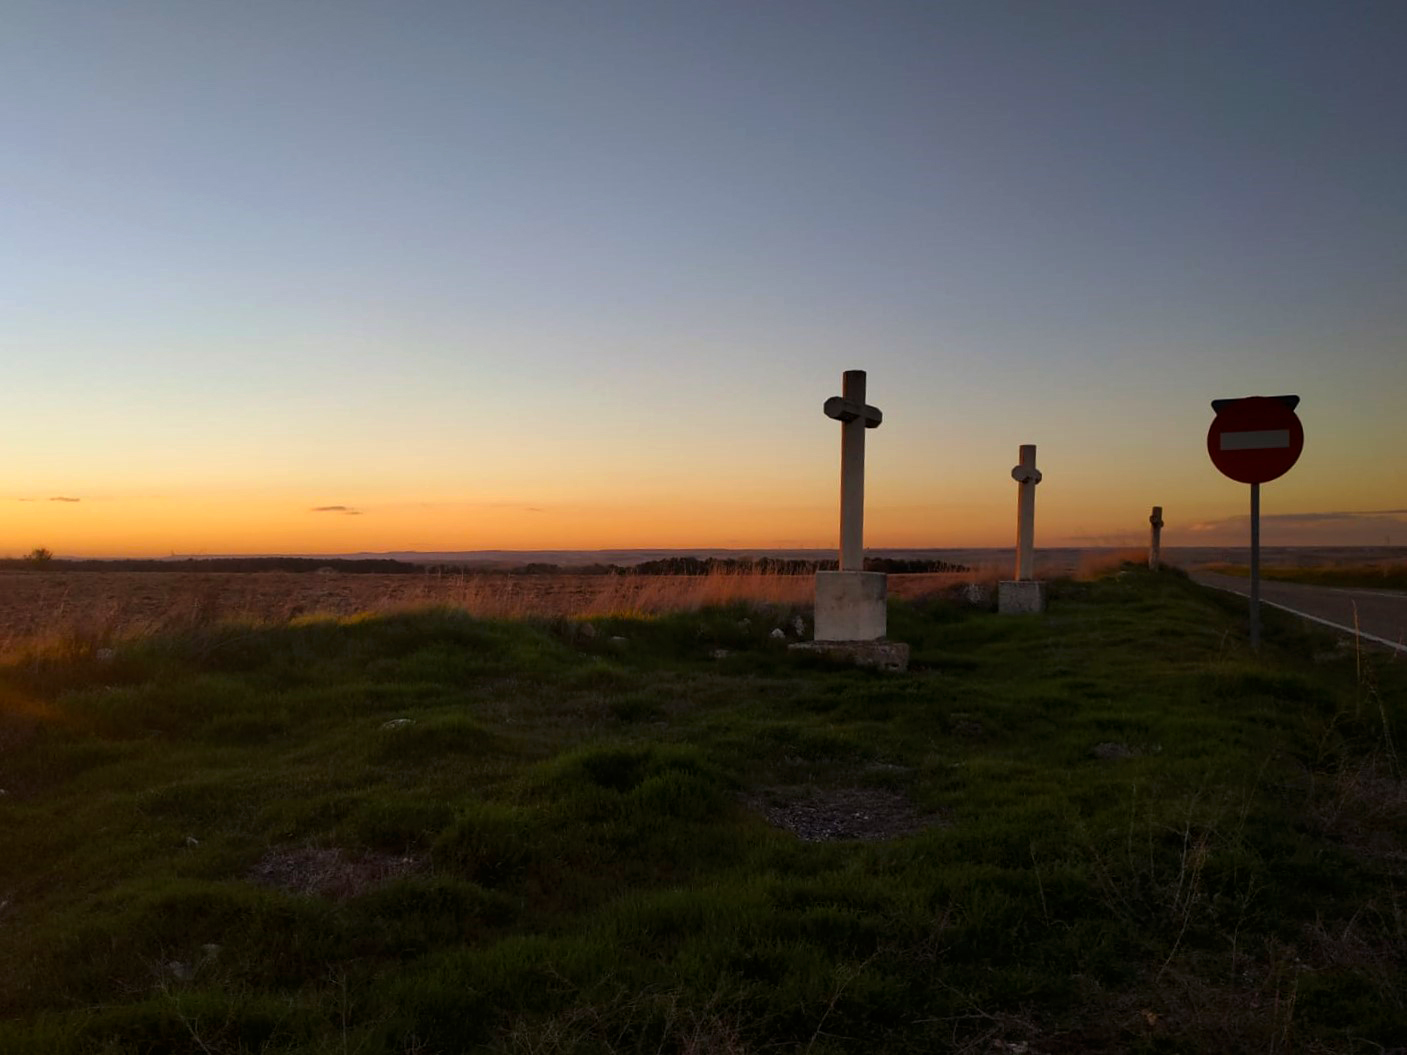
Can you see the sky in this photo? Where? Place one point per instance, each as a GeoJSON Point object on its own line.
{"type": "Point", "coordinates": [301, 276]}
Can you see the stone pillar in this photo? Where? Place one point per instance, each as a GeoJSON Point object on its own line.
{"type": "Point", "coordinates": [850, 603]}
{"type": "Point", "coordinates": [852, 475]}
{"type": "Point", "coordinates": [1027, 476]}
{"type": "Point", "coordinates": [1023, 594]}
{"type": "Point", "coordinates": [1155, 539]}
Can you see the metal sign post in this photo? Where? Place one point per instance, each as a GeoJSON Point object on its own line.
{"type": "Point", "coordinates": [1255, 567]}
{"type": "Point", "coordinates": [1254, 440]}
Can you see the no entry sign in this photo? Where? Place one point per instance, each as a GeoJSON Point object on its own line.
{"type": "Point", "coordinates": [1253, 440]}
{"type": "Point", "coordinates": [1256, 439]}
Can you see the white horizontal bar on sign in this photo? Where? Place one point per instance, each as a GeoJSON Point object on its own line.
{"type": "Point", "coordinates": [1255, 441]}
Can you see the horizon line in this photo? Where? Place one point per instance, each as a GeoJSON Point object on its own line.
{"type": "Point", "coordinates": [688, 550]}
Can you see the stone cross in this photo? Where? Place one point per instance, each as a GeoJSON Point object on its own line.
{"type": "Point", "coordinates": [855, 416]}
{"type": "Point", "coordinates": [1027, 475]}
{"type": "Point", "coordinates": [1155, 541]}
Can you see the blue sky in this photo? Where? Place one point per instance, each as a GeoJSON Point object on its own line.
{"type": "Point", "coordinates": [571, 275]}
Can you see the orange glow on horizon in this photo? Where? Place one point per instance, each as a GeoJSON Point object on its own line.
{"type": "Point", "coordinates": [162, 527]}
{"type": "Point", "coordinates": [911, 503]}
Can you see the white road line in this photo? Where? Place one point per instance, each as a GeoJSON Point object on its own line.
{"type": "Point", "coordinates": [1264, 439]}
{"type": "Point", "coordinates": [1396, 595]}
{"type": "Point", "coordinates": [1315, 619]}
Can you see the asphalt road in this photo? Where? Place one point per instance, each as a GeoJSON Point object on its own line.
{"type": "Point", "coordinates": [1381, 614]}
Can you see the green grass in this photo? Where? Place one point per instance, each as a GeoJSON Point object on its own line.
{"type": "Point", "coordinates": [1387, 576]}
{"type": "Point", "coordinates": [1133, 835]}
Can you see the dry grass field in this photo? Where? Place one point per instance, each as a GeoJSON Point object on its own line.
{"type": "Point", "coordinates": [85, 610]}
{"type": "Point", "coordinates": [88, 609]}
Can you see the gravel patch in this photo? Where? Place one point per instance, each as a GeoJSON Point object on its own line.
{"type": "Point", "coordinates": [829, 814]}
{"type": "Point", "coordinates": [329, 871]}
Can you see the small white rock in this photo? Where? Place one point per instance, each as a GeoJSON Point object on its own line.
{"type": "Point", "coordinates": [587, 630]}
{"type": "Point", "coordinates": [179, 970]}
{"type": "Point", "coordinates": [617, 640]}
{"type": "Point", "coordinates": [397, 723]}
{"type": "Point", "coordinates": [976, 593]}
{"type": "Point", "coordinates": [799, 625]}
{"type": "Point", "coordinates": [720, 653]}
{"type": "Point", "coordinates": [191, 840]}
{"type": "Point", "coordinates": [778, 634]}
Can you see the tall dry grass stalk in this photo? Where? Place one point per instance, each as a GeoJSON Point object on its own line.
{"type": "Point", "coordinates": [71, 617]}
{"type": "Point", "coordinates": [511, 597]}
{"type": "Point", "coordinates": [1096, 564]}
{"type": "Point", "coordinates": [80, 614]}
{"type": "Point", "coordinates": [67, 623]}
{"type": "Point", "coordinates": [657, 594]}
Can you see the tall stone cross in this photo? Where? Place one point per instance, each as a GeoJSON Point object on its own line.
{"type": "Point", "coordinates": [1027, 475]}
{"type": "Point", "coordinates": [1155, 538]}
{"type": "Point", "coordinates": [855, 416]}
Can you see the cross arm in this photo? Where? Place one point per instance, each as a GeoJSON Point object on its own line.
{"type": "Point", "coordinates": [846, 410]}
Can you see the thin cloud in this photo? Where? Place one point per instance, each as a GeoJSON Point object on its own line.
{"type": "Point", "coordinates": [61, 498]}
{"type": "Point", "coordinates": [1366, 516]}
{"type": "Point", "coordinates": [344, 510]}
{"type": "Point", "coordinates": [1315, 518]}
{"type": "Point", "coordinates": [510, 505]}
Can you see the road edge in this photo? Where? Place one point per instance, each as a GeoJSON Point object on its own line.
{"type": "Point", "coordinates": [1351, 630]}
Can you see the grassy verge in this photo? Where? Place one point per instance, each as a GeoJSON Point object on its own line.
{"type": "Point", "coordinates": [1387, 576]}
{"type": "Point", "coordinates": [1107, 829]}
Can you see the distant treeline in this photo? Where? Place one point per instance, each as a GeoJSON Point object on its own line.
{"type": "Point", "coordinates": [667, 566]}
{"type": "Point", "coordinates": [783, 566]}
{"type": "Point", "coordinates": [736, 566]}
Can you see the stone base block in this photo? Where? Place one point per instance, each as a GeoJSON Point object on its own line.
{"type": "Point", "coordinates": [850, 605]}
{"type": "Point", "coordinates": [882, 655]}
{"type": "Point", "coordinates": [1021, 597]}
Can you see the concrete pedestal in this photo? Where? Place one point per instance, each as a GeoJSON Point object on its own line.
{"type": "Point", "coordinates": [850, 605]}
{"type": "Point", "coordinates": [1021, 597]}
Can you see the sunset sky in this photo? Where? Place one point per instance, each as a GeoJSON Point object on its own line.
{"type": "Point", "coordinates": [285, 276]}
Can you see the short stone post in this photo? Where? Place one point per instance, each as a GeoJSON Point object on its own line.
{"type": "Point", "coordinates": [1023, 594]}
{"type": "Point", "coordinates": [1155, 539]}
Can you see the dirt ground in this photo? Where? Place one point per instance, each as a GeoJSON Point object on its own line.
{"type": "Point", "coordinates": [100, 606]}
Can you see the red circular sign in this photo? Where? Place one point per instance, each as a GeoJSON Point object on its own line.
{"type": "Point", "coordinates": [1255, 439]}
